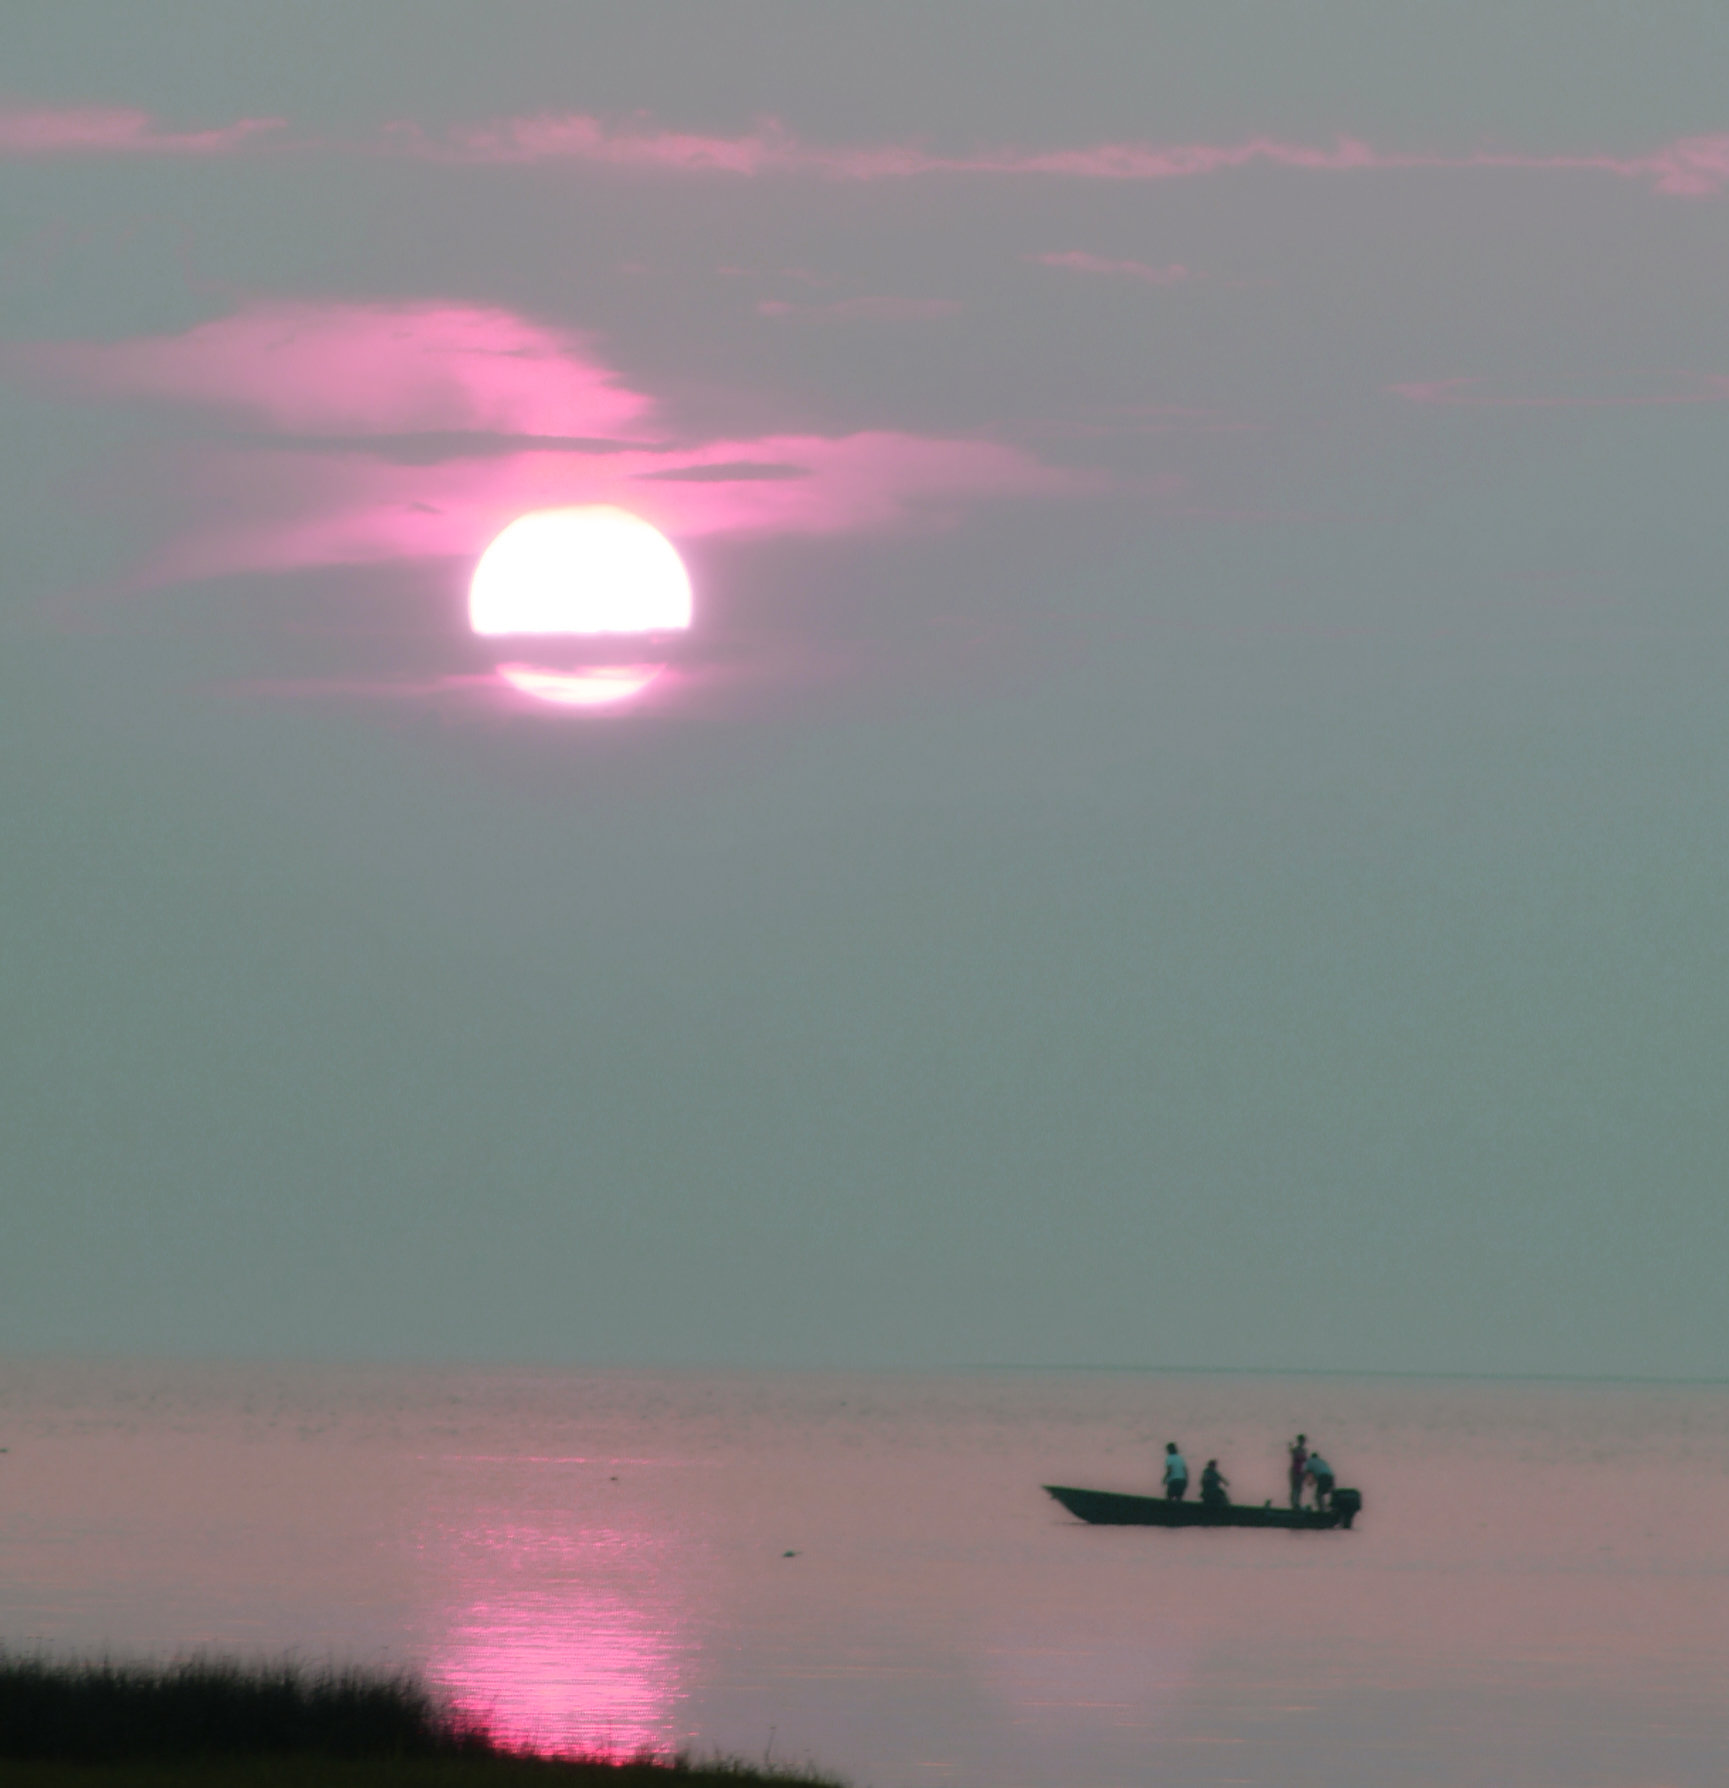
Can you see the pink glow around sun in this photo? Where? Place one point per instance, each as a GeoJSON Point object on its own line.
{"type": "Point", "coordinates": [592, 570]}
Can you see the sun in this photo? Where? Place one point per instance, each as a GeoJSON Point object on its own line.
{"type": "Point", "coordinates": [592, 572]}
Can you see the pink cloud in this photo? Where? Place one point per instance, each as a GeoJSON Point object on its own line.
{"type": "Point", "coordinates": [283, 509]}
{"type": "Point", "coordinates": [367, 371]}
{"type": "Point", "coordinates": [1690, 166]}
{"type": "Point", "coordinates": [1695, 167]}
{"type": "Point", "coordinates": [579, 137]}
{"type": "Point", "coordinates": [772, 149]}
{"type": "Point", "coordinates": [1077, 262]}
{"type": "Point", "coordinates": [1709, 388]}
{"type": "Point", "coordinates": [112, 130]}
{"type": "Point", "coordinates": [363, 369]}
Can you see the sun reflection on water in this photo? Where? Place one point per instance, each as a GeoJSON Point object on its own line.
{"type": "Point", "coordinates": [560, 1627]}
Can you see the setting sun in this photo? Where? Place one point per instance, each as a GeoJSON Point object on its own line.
{"type": "Point", "coordinates": [586, 570]}
{"type": "Point", "coordinates": [567, 574]}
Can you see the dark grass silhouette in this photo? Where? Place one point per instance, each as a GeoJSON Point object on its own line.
{"type": "Point", "coordinates": [307, 1769]}
{"type": "Point", "coordinates": [216, 1723]}
{"type": "Point", "coordinates": [97, 1712]}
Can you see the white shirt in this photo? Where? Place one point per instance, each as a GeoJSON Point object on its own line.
{"type": "Point", "coordinates": [1319, 1467]}
{"type": "Point", "coordinates": [1176, 1467]}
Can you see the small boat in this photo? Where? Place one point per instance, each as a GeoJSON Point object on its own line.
{"type": "Point", "coordinates": [1110, 1508]}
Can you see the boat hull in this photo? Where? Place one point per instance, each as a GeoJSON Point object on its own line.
{"type": "Point", "coordinates": [1111, 1508]}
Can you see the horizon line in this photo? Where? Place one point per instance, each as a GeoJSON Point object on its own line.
{"type": "Point", "coordinates": [523, 1362]}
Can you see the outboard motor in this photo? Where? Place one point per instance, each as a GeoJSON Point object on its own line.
{"type": "Point", "coordinates": [1346, 1504]}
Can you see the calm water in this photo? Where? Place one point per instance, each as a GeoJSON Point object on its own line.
{"type": "Point", "coordinates": [1537, 1593]}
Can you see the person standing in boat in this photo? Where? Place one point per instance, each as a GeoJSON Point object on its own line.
{"type": "Point", "coordinates": [1176, 1473]}
{"type": "Point", "coordinates": [1299, 1468]}
{"type": "Point", "coordinates": [1321, 1476]}
{"type": "Point", "coordinates": [1214, 1486]}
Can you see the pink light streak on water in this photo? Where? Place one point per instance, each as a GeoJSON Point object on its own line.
{"type": "Point", "coordinates": [561, 1673]}
{"type": "Point", "coordinates": [559, 1622]}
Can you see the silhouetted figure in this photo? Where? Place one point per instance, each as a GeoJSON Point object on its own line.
{"type": "Point", "coordinates": [1214, 1486]}
{"type": "Point", "coordinates": [1176, 1473]}
{"type": "Point", "coordinates": [1299, 1467]}
{"type": "Point", "coordinates": [1321, 1476]}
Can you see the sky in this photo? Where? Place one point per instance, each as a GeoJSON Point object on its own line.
{"type": "Point", "coordinates": [1187, 829]}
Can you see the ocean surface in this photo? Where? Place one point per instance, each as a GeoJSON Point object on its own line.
{"type": "Point", "coordinates": [864, 1571]}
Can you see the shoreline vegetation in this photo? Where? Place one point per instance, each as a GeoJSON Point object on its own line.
{"type": "Point", "coordinates": [211, 1723]}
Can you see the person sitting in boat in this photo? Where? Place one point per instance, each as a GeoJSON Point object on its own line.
{"type": "Point", "coordinates": [1176, 1473]}
{"type": "Point", "coordinates": [1214, 1486]}
{"type": "Point", "coordinates": [1321, 1476]}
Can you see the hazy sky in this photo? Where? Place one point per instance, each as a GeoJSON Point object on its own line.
{"type": "Point", "coordinates": [1188, 830]}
